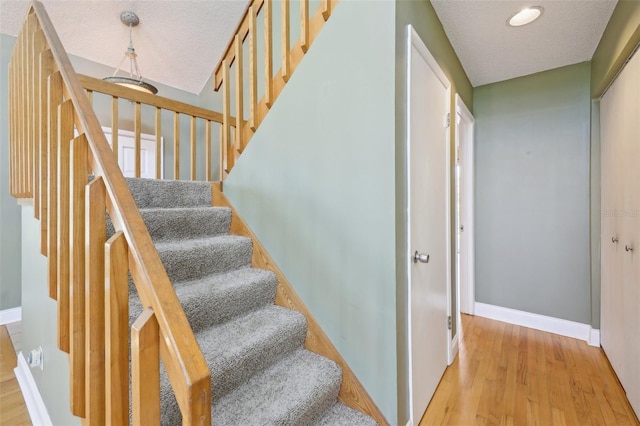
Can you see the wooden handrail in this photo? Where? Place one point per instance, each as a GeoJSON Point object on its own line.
{"type": "Point", "coordinates": [184, 362]}
{"type": "Point", "coordinates": [101, 86]}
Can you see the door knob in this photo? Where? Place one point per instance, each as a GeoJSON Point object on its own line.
{"type": "Point", "coordinates": [420, 257]}
{"type": "Point", "coordinates": [614, 239]}
{"type": "Point", "coordinates": [628, 247]}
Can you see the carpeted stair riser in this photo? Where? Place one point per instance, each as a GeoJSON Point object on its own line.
{"type": "Point", "coordinates": [295, 391]}
{"type": "Point", "coordinates": [341, 415]}
{"type": "Point", "coordinates": [259, 372]}
{"type": "Point", "coordinates": [150, 193]}
{"type": "Point", "coordinates": [191, 259]}
{"type": "Point", "coordinates": [170, 224]}
{"type": "Point", "coordinates": [238, 349]}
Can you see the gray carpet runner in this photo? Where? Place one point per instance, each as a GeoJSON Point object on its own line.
{"type": "Point", "coordinates": [260, 372]}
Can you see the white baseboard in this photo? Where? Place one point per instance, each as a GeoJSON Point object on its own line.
{"type": "Point", "coordinates": [35, 405]}
{"type": "Point", "coordinates": [559, 326]}
{"type": "Point", "coordinates": [453, 348]}
{"type": "Point", "coordinates": [8, 316]}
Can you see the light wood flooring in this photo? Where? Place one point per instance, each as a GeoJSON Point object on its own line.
{"type": "Point", "coordinates": [510, 375]}
{"type": "Point", "coordinates": [13, 411]}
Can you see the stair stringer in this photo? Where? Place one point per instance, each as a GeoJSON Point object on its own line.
{"type": "Point", "coordinates": [352, 393]}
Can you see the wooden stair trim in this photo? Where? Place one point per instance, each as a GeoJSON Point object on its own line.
{"type": "Point", "coordinates": [352, 393]}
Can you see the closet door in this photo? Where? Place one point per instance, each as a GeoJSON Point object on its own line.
{"type": "Point", "coordinates": [611, 320]}
{"type": "Point", "coordinates": [630, 233]}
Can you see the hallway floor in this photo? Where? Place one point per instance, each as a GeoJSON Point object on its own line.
{"type": "Point", "coordinates": [510, 375]}
{"type": "Point", "coordinates": [13, 411]}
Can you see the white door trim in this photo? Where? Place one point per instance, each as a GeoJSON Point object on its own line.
{"type": "Point", "coordinates": [414, 40]}
{"type": "Point", "coordinates": [464, 115]}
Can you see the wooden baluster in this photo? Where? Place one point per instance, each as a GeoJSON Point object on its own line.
{"type": "Point", "coordinates": [116, 330]}
{"type": "Point", "coordinates": [114, 126]}
{"type": "Point", "coordinates": [286, 46]}
{"type": "Point", "coordinates": [193, 148]}
{"type": "Point", "coordinates": [268, 54]}
{"type": "Point", "coordinates": [326, 9]}
{"type": "Point", "coordinates": [176, 146]}
{"type": "Point", "coordinates": [145, 369]}
{"type": "Point", "coordinates": [24, 135]}
{"type": "Point", "coordinates": [12, 124]}
{"type": "Point", "coordinates": [60, 198]}
{"type": "Point", "coordinates": [158, 143]}
{"type": "Point", "coordinates": [95, 235]}
{"type": "Point", "coordinates": [32, 22]}
{"type": "Point", "coordinates": [38, 45]}
{"type": "Point", "coordinates": [45, 68]}
{"type": "Point", "coordinates": [137, 126]}
{"type": "Point", "coordinates": [253, 69]}
{"type": "Point", "coordinates": [221, 154]}
{"type": "Point", "coordinates": [207, 150]}
{"type": "Point", "coordinates": [238, 144]}
{"type": "Point", "coordinates": [79, 177]}
{"type": "Point", "coordinates": [304, 25]}
{"type": "Point", "coordinates": [226, 120]}
{"type": "Point", "coordinates": [52, 115]}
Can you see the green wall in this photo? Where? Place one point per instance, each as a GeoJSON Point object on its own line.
{"type": "Point", "coordinates": [620, 37]}
{"type": "Point", "coordinates": [421, 15]}
{"type": "Point", "coordinates": [532, 193]}
{"type": "Point", "coordinates": [39, 326]}
{"type": "Point", "coordinates": [10, 273]}
{"type": "Point", "coordinates": [316, 185]}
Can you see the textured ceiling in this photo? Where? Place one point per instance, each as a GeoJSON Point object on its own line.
{"type": "Point", "coordinates": [178, 42]}
{"type": "Point", "coordinates": [567, 33]}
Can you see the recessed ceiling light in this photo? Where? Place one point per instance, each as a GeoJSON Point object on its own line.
{"type": "Point", "coordinates": [526, 16]}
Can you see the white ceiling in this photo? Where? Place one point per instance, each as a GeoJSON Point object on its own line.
{"type": "Point", "coordinates": [567, 33]}
{"type": "Point", "coordinates": [179, 42]}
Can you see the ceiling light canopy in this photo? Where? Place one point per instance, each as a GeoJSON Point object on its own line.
{"type": "Point", "coordinates": [526, 16]}
{"type": "Point", "coordinates": [134, 79]}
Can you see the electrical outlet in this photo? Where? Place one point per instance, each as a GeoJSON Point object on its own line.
{"type": "Point", "coordinates": [35, 358]}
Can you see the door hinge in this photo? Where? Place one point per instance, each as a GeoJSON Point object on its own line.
{"type": "Point", "coordinates": [447, 120]}
{"type": "Point", "coordinates": [449, 322]}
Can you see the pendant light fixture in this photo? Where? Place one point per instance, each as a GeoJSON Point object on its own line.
{"type": "Point", "coordinates": [134, 79]}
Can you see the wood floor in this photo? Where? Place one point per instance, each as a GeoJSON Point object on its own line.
{"type": "Point", "coordinates": [503, 375]}
{"type": "Point", "coordinates": [13, 410]}
{"type": "Point", "coordinates": [511, 375]}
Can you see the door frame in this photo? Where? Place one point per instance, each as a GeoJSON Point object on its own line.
{"type": "Point", "coordinates": [414, 40]}
{"type": "Point", "coordinates": [466, 288]}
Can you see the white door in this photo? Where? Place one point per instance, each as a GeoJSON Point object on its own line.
{"type": "Point", "coordinates": [429, 224]}
{"type": "Point", "coordinates": [465, 259]}
{"type": "Point", "coordinates": [126, 153]}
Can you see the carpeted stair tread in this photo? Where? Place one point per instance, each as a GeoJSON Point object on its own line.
{"type": "Point", "coordinates": [186, 260]}
{"type": "Point", "coordinates": [238, 349]}
{"type": "Point", "coordinates": [341, 415]}
{"type": "Point", "coordinates": [295, 391]}
{"type": "Point", "coordinates": [149, 193]}
{"type": "Point", "coordinates": [166, 224]}
{"type": "Point", "coordinates": [260, 373]}
{"type": "Point", "coordinates": [215, 299]}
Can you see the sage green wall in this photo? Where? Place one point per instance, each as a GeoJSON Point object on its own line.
{"type": "Point", "coordinates": [316, 185]}
{"type": "Point", "coordinates": [620, 37]}
{"type": "Point", "coordinates": [39, 326]}
{"type": "Point", "coordinates": [10, 273]}
{"type": "Point", "coordinates": [532, 193]}
{"type": "Point", "coordinates": [421, 15]}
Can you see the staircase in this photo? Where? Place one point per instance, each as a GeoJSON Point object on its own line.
{"type": "Point", "coordinates": [260, 372]}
